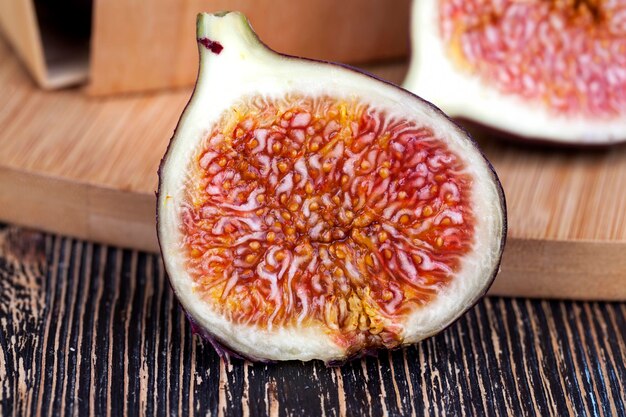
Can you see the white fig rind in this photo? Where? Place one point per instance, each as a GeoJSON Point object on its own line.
{"type": "Point", "coordinates": [244, 67]}
{"type": "Point", "coordinates": [434, 76]}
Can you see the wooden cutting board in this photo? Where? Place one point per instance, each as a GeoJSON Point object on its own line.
{"type": "Point", "coordinates": [86, 167]}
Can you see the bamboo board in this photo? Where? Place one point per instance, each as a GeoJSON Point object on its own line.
{"type": "Point", "coordinates": [86, 167]}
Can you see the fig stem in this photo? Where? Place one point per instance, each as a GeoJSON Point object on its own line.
{"type": "Point", "coordinates": [230, 30]}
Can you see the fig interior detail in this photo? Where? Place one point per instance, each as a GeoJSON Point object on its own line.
{"type": "Point", "coordinates": [569, 55]}
{"type": "Point", "coordinates": [317, 209]}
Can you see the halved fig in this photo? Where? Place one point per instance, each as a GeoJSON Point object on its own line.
{"type": "Point", "coordinates": [309, 211]}
{"type": "Point", "coordinates": [553, 70]}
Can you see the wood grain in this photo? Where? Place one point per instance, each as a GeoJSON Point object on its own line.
{"type": "Point", "coordinates": [140, 46]}
{"type": "Point", "coordinates": [87, 167]}
{"type": "Point", "coordinates": [92, 330]}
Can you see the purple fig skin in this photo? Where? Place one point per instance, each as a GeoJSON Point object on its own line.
{"type": "Point", "coordinates": [221, 347]}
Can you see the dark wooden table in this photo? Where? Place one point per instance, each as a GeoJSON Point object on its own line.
{"type": "Point", "coordinates": [92, 330]}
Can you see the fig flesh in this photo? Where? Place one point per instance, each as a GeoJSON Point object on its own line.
{"type": "Point", "coordinates": [309, 211]}
{"type": "Point", "coordinates": [541, 70]}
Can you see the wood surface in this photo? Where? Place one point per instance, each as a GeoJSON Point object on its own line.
{"type": "Point", "coordinates": [138, 46]}
{"type": "Point", "coordinates": [87, 166]}
{"type": "Point", "coordinates": [91, 330]}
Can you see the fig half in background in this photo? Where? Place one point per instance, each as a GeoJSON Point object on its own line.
{"type": "Point", "coordinates": [309, 211]}
{"type": "Point", "coordinates": [551, 70]}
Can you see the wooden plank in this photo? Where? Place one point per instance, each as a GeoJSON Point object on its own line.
{"type": "Point", "coordinates": [89, 330]}
{"type": "Point", "coordinates": [87, 167]}
{"type": "Point", "coordinates": [576, 269]}
{"type": "Point", "coordinates": [79, 209]}
{"type": "Point", "coordinates": [138, 46]}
